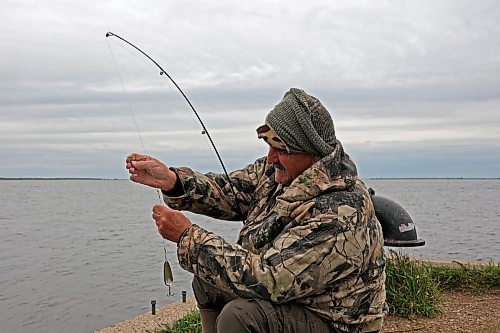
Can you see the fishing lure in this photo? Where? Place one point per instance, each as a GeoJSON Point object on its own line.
{"type": "Point", "coordinates": [168, 277]}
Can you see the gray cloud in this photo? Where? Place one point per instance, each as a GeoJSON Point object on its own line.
{"type": "Point", "coordinates": [410, 84]}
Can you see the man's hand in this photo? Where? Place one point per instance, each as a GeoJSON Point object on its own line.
{"type": "Point", "coordinates": [149, 171]}
{"type": "Point", "coordinates": [171, 223]}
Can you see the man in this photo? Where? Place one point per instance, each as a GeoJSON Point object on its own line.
{"type": "Point", "coordinates": [309, 257]}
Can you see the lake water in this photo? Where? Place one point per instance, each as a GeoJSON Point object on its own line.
{"type": "Point", "coordinates": [80, 255]}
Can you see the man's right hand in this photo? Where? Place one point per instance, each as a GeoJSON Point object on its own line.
{"type": "Point", "coordinates": [149, 171]}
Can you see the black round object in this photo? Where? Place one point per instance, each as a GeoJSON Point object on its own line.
{"type": "Point", "coordinates": [397, 226]}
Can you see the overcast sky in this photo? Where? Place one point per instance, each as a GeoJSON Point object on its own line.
{"type": "Point", "coordinates": [413, 86]}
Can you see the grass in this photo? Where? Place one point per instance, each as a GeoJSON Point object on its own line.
{"type": "Point", "coordinates": [410, 287]}
{"type": "Point", "coordinates": [476, 278]}
{"type": "Point", "coordinates": [413, 288]}
{"type": "Point", "coordinates": [492, 327]}
{"type": "Point", "coordinates": [190, 323]}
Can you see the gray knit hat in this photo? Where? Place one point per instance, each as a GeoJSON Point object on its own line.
{"type": "Point", "coordinates": [302, 123]}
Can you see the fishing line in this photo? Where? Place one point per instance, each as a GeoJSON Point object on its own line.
{"type": "Point", "coordinates": [132, 54]}
{"type": "Point", "coordinates": [168, 278]}
{"type": "Point", "coordinates": [167, 270]}
{"type": "Point", "coordinates": [204, 129]}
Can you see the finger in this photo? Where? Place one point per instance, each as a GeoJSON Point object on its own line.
{"type": "Point", "coordinates": [131, 157]}
{"type": "Point", "coordinates": [156, 216]}
{"type": "Point", "coordinates": [136, 171]}
{"type": "Point", "coordinates": [157, 212]}
{"type": "Point", "coordinates": [140, 165]}
{"type": "Point", "coordinates": [134, 178]}
{"type": "Point", "coordinates": [157, 209]}
{"type": "Point", "coordinates": [129, 164]}
{"type": "Point", "coordinates": [137, 157]}
{"type": "Point", "coordinates": [161, 209]}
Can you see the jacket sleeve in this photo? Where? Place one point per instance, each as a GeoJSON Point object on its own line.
{"type": "Point", "coordinates": [305, 259]}
{"type": "Point", "coordinates": [211, 195]}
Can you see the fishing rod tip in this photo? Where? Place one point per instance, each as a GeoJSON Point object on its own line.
{"type": "Point", "coordinates": [109, 33]}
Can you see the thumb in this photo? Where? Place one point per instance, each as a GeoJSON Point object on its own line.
{"type": "Point", "coordinates": [160, 209]}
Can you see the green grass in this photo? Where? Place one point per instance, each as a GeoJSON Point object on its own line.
{"type": "Point", "coordinates": [413, 288]}
{"type": "Point", "coordinates": [410, 287]}
{"type": "Point", "coordinates": [190, 323]}
{"type": "Point", "coordinates": [473, 277]}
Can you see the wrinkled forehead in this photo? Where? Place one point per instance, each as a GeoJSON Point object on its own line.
{"type": "Point", "coordinates": [269, 135]}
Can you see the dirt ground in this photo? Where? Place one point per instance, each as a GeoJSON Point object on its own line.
{"type": "Point", "coordinates": [460, 312]}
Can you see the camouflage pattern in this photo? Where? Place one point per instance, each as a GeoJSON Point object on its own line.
{"type": "Point", "coordinates": [269, 135]}
{"type": "Point", "coordinates": [315, 242]}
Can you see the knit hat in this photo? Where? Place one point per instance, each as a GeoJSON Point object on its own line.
{"type": "Point", "coordinates": [299, 123]}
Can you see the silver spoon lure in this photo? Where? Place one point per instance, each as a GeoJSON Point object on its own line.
{"type": "Point", "coordinates": [168, 277]}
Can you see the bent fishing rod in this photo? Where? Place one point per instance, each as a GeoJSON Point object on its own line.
{"type": "Point", "coordinates": [205, 131]}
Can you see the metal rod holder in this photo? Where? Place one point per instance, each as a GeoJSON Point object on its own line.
{"type": "Point", "coordinates": [153, 307]}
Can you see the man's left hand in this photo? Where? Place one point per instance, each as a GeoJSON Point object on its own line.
{"type": "Point", "coordinates": [171, 223]}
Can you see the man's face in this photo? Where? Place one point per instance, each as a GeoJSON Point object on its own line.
{"type": "Point", "coordinates": [289, 166]}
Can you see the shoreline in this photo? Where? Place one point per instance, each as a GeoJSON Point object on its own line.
{"type": "Point", "coordinates": [148, 322]}
{"type": "Point", "coordinates": [170, 313]}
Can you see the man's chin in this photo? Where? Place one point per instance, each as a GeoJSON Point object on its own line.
{"type": "Point", "coordinates": [281, 177]}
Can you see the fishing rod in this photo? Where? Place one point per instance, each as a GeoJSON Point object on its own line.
{"type": "Point", "coordinates": [167, 271]}
{"type": "Point", "coordinates": [205, 130]}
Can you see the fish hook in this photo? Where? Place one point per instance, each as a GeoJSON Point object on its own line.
{"type": "Point", "coordinates": [169, 293]}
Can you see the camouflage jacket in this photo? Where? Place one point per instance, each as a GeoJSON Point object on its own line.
{"type": "Point", "coordinates": [316, 242]}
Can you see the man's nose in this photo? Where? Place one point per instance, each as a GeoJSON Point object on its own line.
{"type": "Point", "coordinates": [272, 156]}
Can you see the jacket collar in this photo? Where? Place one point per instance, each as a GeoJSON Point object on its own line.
{"type": "Point", "coordinates": [334, 172]}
